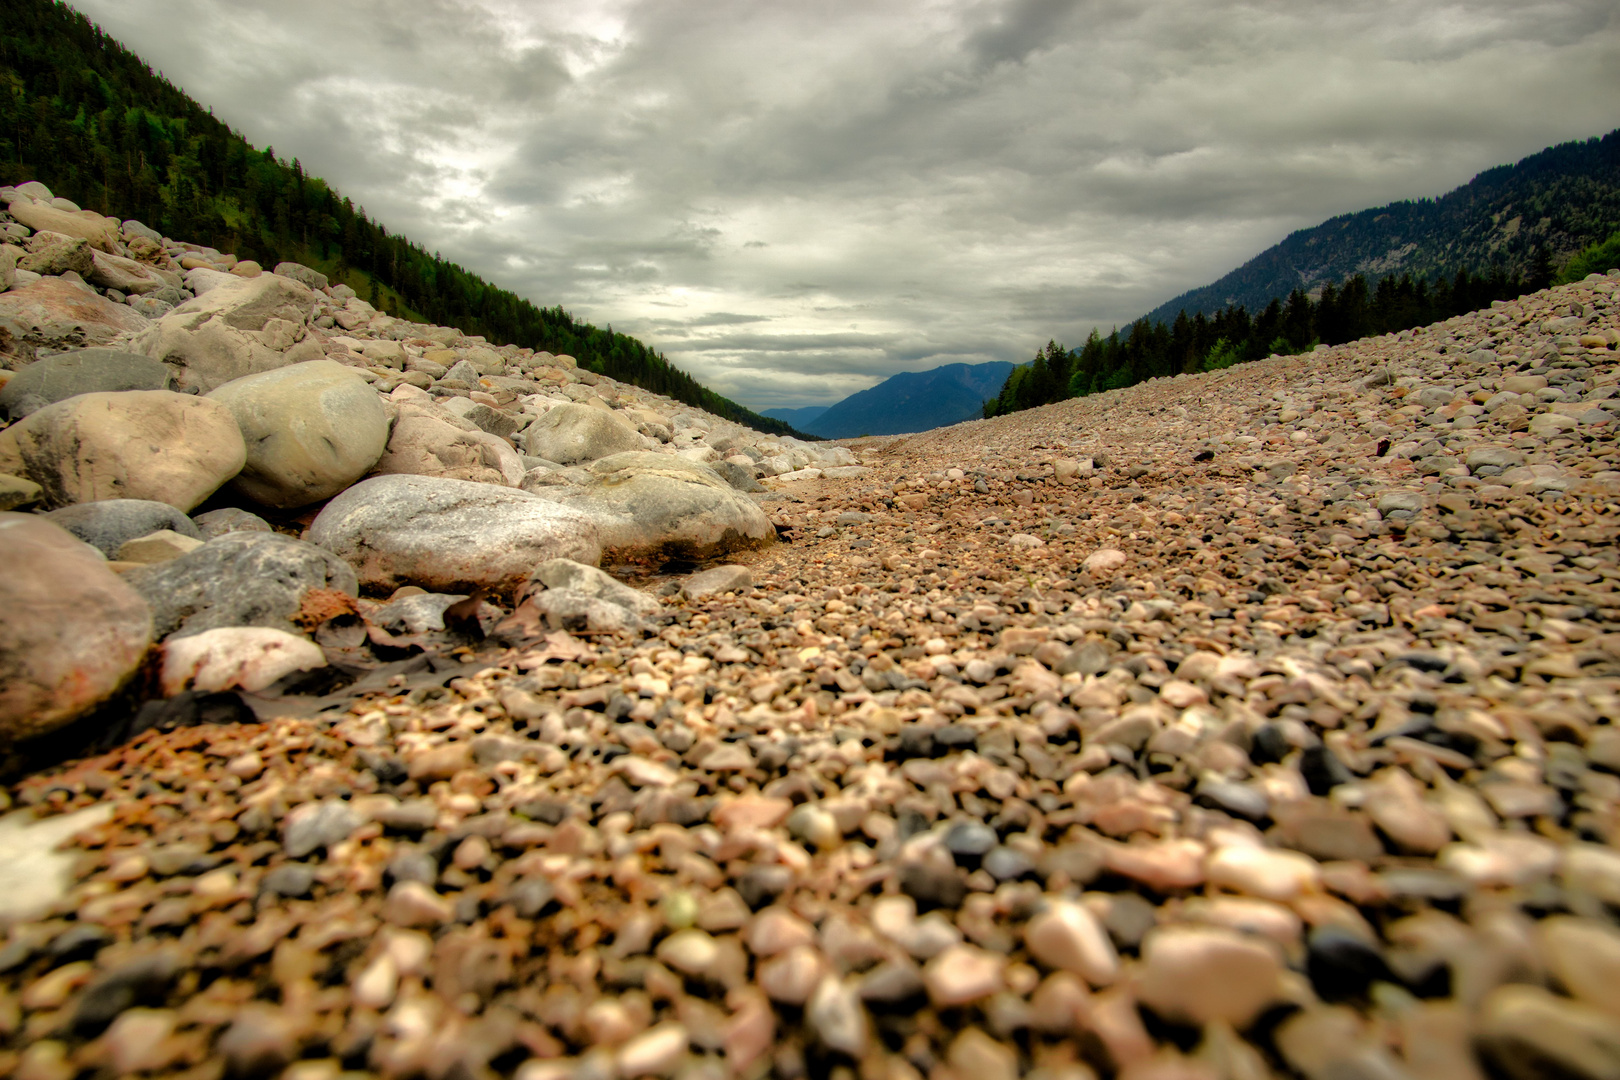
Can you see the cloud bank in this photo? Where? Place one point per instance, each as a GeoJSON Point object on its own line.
{"type": "Point", "coordinates": [795, 201]}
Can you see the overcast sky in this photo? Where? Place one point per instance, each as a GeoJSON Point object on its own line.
{"type": "Point", "coordinates": [794, 200]}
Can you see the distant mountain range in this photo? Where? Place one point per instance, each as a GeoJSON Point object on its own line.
{"type": "Point", "coordinates": [1546, 207]}
{"type": "Point", "coordinates": [796, 418]}
{"type": "Point", "coordinates": [904, 403]}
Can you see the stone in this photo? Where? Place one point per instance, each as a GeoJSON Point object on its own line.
{"type": "Point", "coordinates": [242, 579]}
{"type": "Point", "coordinates": [1104, 561]}
{"type": "Point", "coordinates": [233, 330]}
{"type": "Point", "coordinates": [962, 975]}
{"type": "Point", "coordinates": [59, 313]}
{"type": "Point", "coordinates": [835, 1014]}
{"type": "Point", "coordinates": [413, 904]}
{"type": "Point", "coordinates": [302, 274]}
{"type": "Point", "coordinates": [717, 579]}
{"type": "Point", "coordinates": [251, 658]}
{"type": "Point", "coordinates": [16, 492]}
{"type": "Point", "coordinates": [1067, 937]}
{"type": "Point", "coordinates": [74, 632]}
{"type": "Point", "coordinates": [1530, 1034]}
{"type": "Point", "coordinates": [430, 442]}
{"type": "Point", "coordinates": [65, 255]}
{"type": "Point", "coordinates": [157, 547]}
{"type": "Point", "coordinates": [1584, 956]}
{"type": "Point", "coordinates": [126, 275]}
{"type": "Point", "coordinates": [975, 1054]}
{"type": "Point", "coordinates": [450, 535]}
{"type": "Point", "coordinates": [111, 523]}
{"type": "Point", "coordinates": [1205, 974]}
{"type": "Point", "coordinates": [101, 233]}
{"type": "Point", "coordinates": [261, 1040]}
{"type": "Point", "coordinates": [571, 433]}
{"type": "Point", "coordinates": [1341, 964]}
{"type": "Point", "coordinates": [228, 519]}
{"type": "Point", "coordinates": [654, 506]}
{"type": "Point", "coordinates": [567, 574]}
{"type": "Point", "coordinates": [86, 371]}
{"type": "Point", "coordinates": [1263, 872]}
{"type": "Point", "coordinates": [315, 825]}
{"type": "Point", "coordinates": [311, 430]}
{"type": "Point", "coordinates": [34, 875]}
{"type": "Point", "coordinates": [139, 444]}
{"type": "Point", "coordinates": [655, 1052]}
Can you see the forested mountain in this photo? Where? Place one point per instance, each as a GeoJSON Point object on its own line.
{"type": "Point", "coordinates": [797, 417]}
{"type": "Point", "coordinates": [92, 121]}
{"type": "Point", "coordinates": [1523, 218]}
{"type": "Point", "coordinates": [913, 401]}
{"type": "Point", "coordinates": [1514, 229]}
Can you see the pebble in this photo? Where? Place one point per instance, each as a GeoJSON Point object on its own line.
{"type": "Point", "coordinates": [1068, 937]}
{"type": "Point", "coordinates": [1205, 975]}
{"type": "Point", "coordinates": [962, 974]}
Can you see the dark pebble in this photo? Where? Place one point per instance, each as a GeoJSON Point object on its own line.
{"type": "Point", "coordinates": [1322, 769]}
{"type": "Point", "coordinates": [956, 737]}
{"type": "Point", "coordinates": [917, 741]}
{"type": "Point", "coordinates": [529, 896]}
{"type": "Point", "coordinates": [1342, 965]}
{"type": "Point", "coordinates": [969, 841]}
{"type": "Point", "coordinates": [81, 941]}
{"type": "Point", "coordinates": [1270, 744]}
{"type": "Point", "coordinates": [413, 864]}
{"type": "Point", "coordinates": [142, 980]}
{"type": "Point", "coordinates": [292, 880]}
{"type": "Point", "coordinates": [1239, 800]}
{"type": "Point", "coordinates": [1008, 864]}
{"type": "Point", "coordinates": [759, 885]}
{"type": "Point", "coordinates": [892, 983]}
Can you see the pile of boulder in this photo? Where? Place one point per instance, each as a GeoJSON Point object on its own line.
{"type": "Point", "coordinates": [194, 444]}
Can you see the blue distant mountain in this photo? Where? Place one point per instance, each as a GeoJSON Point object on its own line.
{"type": "Point", "coordinates": [912, 401]}
{"type": "Point", "coordinates": [796, 418]}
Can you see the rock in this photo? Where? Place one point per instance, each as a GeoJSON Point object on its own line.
{"type": "Point", "coordinates": [34, 876]}
{"type": "Point", "coordinates": [718, 579]}
{"type": "Point", "coordinates": [1342, 965]}
{"type": "Point", "coordinates": [1205, 974]}
{"type": "Point", "coordinates": [1104, 561]}
{"type": "Point", "coordinates": [302, 274]}
{"type": "Point", "coordinates": [1584, 955]}
{"type": "Point", "coordinates": [655, 1052]}
{"type": "Point", "coordinates": [656, 506]}
{"type": "Point", "coordinates": [588, 580]}
{"type": "Point", "coordinates": [422, 613]}
{"type": "Point", "coordinates": [1529, 1034]}
{"type": "Point", "coordinates": [157, 547]}
{"type": "Point", "coordinates": [426, 442]}
{"type": "Point", "coordinates": [411, 904]}
{"type": "Point", "coordinates": [450, 535]}
{"type": "Point", "coordinates": [975, 1054]}
{"type": "Point", "coordinates": [261, 1040]}
{"type": "Point", "coordinates": [232, 331]}
{"type": "Point", "coordinates": [315, 825]}
{"type": "Point", "coordinates": [139, 444]}
{"type": "Point", "coordinates": [1264, 872]}
{"type": "Point", "coordinates": [74, 632]}
{"type": "Point", "coordinates": [66, 255]}
{"type": "Point", "coordinates": [111, 523]}
{"type": "Point", "coordinates": [227, 520]}
{"type": "Point", "coordinates": [60, 313]}
{"type": "Point", "coordinates": [573, 433]}
{"type": "Point", "coordinates": [311, 430]}
{"type": "Point", "coordinates": [87, 371]}
{"type": "Point", "coordinates": [102, 233]}
{"type": "Point", "coordinates": [243, 579]}
{"type": "Point", "coordinates": [125, 275]}
{"type": "Point", "coordinates": [738, 476]}
{"type": "Point", "coordinates": [16, 492]}
{"type": "Point", "coordinates": [8, 266]}
{"type": "Point", "coordinates": [961, 975]}
{"type": "Point", "coordinates": [835, 1014]}
{"type": "Point", "coordinates": [1068, 937]}
{"type": "Point", "coordinates": [251, 658]}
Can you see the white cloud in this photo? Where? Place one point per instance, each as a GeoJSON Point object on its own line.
{"type": "Point", "coordinates": [795, 201]}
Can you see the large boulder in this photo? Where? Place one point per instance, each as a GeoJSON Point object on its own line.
{"type": "Point", "coordinates": [571, 433]}
{"type": "Point", "coordinates": [450, 535]}
{"type": "Point", "coordinates": [54, 254]}
{"type": "Point", "coordinates": [657, 506]}
{"type": "Point", "coordinates": [60, 312]}
{"type": "Point", "coordinates": [427, 441]}
{"type": "Point", "coordinates": [127, 275]}
{"type": "Point", "coordinates": [102, 233]}
{"type": "Point", "coordinates": [243, 579]}
{"type": "Point", "coordinates": [311, 430]}
{"type": "Point", "coordinates": [88, 371]}
{"type": "Point", "coordinates": [109, 524]}
{"type": "Point", "coordinates": [302, 274]}
{"type": "Point", "coordinates": [73, 632]}
{"type": "Point", "coordinates": [239, 328]}
{"type": "Point", "coordinates": [139, 444]}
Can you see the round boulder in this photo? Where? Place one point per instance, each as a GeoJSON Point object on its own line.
{"type": "Point", "coordinates": [140, 444]}
{"type": "Point", "coordinates": [311, 430]}
{"type": "Point", "coordinates": [658, 506]}
{"type": "Point", "coordinates": [74, 632]}
{"type": "Point", "coordinates": [109, 524]}
{"type": "Point", "coordinates": [244, 579]}
{"type": "Point", "coordinates": [450, 535]}
{"type": "Point", "coordinates": [87, 371]}
{"type": "Point", "coordinates": [570, 433]}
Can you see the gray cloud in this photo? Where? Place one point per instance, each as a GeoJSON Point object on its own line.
{"type": "Point", "coordinates": [879, 187]}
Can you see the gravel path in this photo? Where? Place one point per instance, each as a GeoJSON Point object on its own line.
{"type": "Point", "coordinates": [1249, 724]}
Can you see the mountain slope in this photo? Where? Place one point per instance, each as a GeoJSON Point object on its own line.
{"type": "Point", "coordinates": [1549, 205]}
{"type": "Point", "coordinates": [91, 120]}
{"type": "Point", "coordinates": [797, 417]}
{"type": "Point", "coordinates": [914, 401]}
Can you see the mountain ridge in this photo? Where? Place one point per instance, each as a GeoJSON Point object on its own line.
{"type": "Point", "coordinates": [913, 401]}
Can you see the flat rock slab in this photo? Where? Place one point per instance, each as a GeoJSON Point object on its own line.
{"type": "Point", "coordinates": [33, 874]}
{"type": "Point", "coordinates": [450, 535]}
{"type": "Point", "coordinates": [56, 311]}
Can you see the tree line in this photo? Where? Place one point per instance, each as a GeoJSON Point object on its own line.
{"type": "Point", "coordinates": [1150, 349]}
{"type": "Point", "coordinates": [91, 121]}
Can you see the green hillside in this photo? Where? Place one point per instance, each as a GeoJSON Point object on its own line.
{"type": "Point", "coordinates": [91, 120]}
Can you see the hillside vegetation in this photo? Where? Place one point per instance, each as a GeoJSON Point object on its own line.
{"type": "Point", "coordinates": [91, 120]}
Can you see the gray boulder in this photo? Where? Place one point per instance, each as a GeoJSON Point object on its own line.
{"type": "Point", "coordinates": [571, 433]}
{"type": "Point", "coordinates": [64, 255]}
{"type": "Point", "coordinates": [311, 430]}
{"type": "Point", "coordinates": [87, 371]}
{"type": "Point", "coordinates": [106, 525]}
{"type": "Point", "coordinates": [73, 632]}
{"type": "Point", "coordinates": [462, 372]}
{"type": "Point", "coordinates": [657, 506]}
{"type": "Point", "coordinates": [428, 441]}
{"type": "Point", "coordinates": [559, 574]}
{"type": "Point", "coordinates": [450, 535]}
{"type": "Point", "coordinates": [239, 327]}
{"type": "Point", "coordinates": [239, 579]}
{"type": "Point", "coordinates": [738, 477]}
{"type": "Point", "coordinates": [302, 274]}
